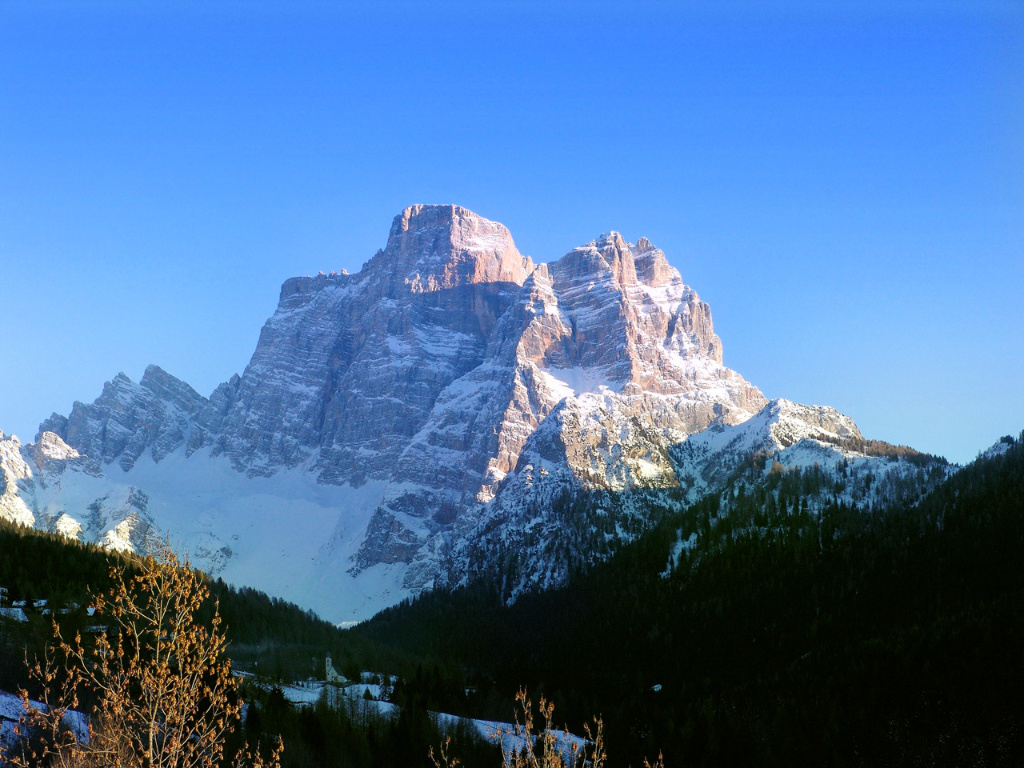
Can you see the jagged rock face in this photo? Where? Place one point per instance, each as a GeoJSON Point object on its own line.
{"type": "Point", "coordinates": [350, 366]}
{"type": "Point", "coordinates": [447, 394]}
{"type": "Point", "coordinates": [611, 289]}
{"type": "Point", "coordinates": [129, 418]}
{"type": "Point", "coordinates": [13, 468]}
{"type": "Point", "coordinates": [611, 330]}
{"type": "Point", "coordinates": [435, 363]}
{"type": "Point", "coordinates": [42, 489]}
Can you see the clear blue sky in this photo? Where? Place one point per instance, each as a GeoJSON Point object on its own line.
{"type": "Point", "coordinates": [845, 187]}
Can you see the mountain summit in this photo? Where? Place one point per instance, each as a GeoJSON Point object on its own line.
{"type": "Point", "coordinates": [409, 425]}
{"type": "Point", "coordinates": [437, 247]}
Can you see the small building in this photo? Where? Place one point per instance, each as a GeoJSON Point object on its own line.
{"type": "Point", "coordinates": [332, 675]}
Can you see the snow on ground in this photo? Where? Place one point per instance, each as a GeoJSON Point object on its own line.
{"type": "Point", "coordinates": [304, 693]}
{"type": "Point", "coordinates": [13, 613]}
{"type": "Point", "coordinates": [282, 534]}
{"type": "Point", "coordinates": [572, 382]}
{"type": "Point", "coordinates": [678, 548]}
{"type": "Point", "coordinates": [308, 692]}
{"type": "Point", "coordinates": [286, 534]}
{"type": "Point", "coordinates": [504, 734]}
{"type": "Point", "coordinates": [12, 710]}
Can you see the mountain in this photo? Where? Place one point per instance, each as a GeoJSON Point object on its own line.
{"type": "Point", "coordinates": [431, 419]}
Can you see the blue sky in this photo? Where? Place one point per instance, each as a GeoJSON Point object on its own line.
{"type": "Point", "coordinates": [844, 186]}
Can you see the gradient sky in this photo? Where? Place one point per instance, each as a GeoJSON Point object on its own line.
{"type": "Point", "coordinates": [844, 186]}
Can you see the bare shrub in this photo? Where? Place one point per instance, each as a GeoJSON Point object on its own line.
{"type": "Point", "coordinates": [527, 745]}
{"type": "Point", "coordinates": [158, 681]}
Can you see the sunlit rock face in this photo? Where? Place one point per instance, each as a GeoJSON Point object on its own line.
{"type": "Point", "coordinates": [128, 419]}
{"type": "Point", "coordinates": [349, 368]}
{"type": "Point", "coordinates": [395, 423]}
{"type": "Point", "coordinates": [435, 363]}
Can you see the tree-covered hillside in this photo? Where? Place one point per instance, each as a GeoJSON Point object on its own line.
{"type": "Point", "coordinates": [281, 636]}
{"type": "Point", "coordinates": [889, 637]}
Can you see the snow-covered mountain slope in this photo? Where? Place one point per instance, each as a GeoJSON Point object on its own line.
{"type": "Point", "coordinates": [409, 425]}
{"type": "Point", "coordinates": [786, 436]}
{"type": "Point", "coordinates": [14, 469]}
{"type": "Point", "coordinates": [552, 516]}
{"type": "Point", "coordinates": [706, 460]}
{"type": "Point", "coordinates": [267, 532]}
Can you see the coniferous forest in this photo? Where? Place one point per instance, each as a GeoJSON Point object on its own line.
{"type": "Point", "coordinates": [889, 638]}
{"type": "Point", "coordinates": [852, 637]}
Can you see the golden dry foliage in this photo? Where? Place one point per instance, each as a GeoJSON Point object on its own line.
{"type": "Point", "coordinates": [443, 759]}
{"type": "Point", "coordinates": [249, 759]}
{"type": "Point", "coordinates": [545, 749]}
{"type": "Point", "coordinates": [48, 736]}
{"type": "Point", "coordinates": [161, 682]}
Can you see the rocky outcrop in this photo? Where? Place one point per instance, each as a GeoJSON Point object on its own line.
{"type": "Point", "coordinates": [50, 485]}
{"type": "Point", "coordinates": [349, 368]}
{"type": "Point", "coordinates": [128, 419]}
{"type": "Point", "coordinates": [13, 468]}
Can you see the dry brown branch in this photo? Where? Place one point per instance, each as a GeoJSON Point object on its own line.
{"type": "Point", "coordinates": [530, 748]}
{"type": "Point", "coordinates": [444, 759]}
{"type": "Point", "coordinates": [161, 684]}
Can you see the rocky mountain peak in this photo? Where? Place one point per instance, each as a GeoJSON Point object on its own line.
{"type": "Point", "coordinates": [129, 418]}
{"type": "Point", "coordinates": [51, 446]}
{"type": "Point", "coordinates": [171, 389]}
{"type": "Point", "coordinates": [392, 415]}
{"type": "Point", "coordinates": [436, 247]}
{"type": "Point", "coordinates": [611, 256]}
